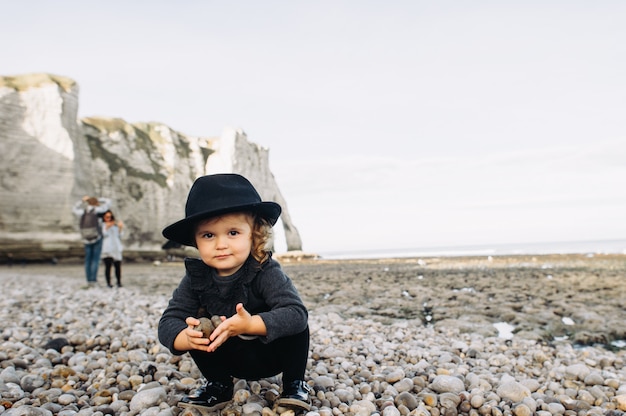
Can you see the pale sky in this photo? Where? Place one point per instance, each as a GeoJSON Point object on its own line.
{"type": "Point", "coordinates": [390, 124]}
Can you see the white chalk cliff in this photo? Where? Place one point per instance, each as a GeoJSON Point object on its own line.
{"type": "Point", "coordinates": [50, 159]}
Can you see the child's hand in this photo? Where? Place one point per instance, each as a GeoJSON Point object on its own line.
{"type": "Point", "coordinates": [240, 323]}
{"type": "Point", "coordinates": [194, 339]}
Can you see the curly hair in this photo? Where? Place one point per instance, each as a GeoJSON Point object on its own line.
{"type": "Point", "coordinates": [262, 234]}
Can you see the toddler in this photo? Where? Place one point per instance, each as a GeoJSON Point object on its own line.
{"type": "Point", "coordinates": [262, 324]}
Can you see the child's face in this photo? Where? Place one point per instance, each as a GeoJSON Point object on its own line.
{"type": "Point", "coordinates": [225, 242]}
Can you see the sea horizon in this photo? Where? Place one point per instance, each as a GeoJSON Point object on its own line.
{"type": "Point", "coordinates": [590, 247]}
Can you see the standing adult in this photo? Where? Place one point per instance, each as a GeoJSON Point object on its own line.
{"type": "Point", "coordinates": [112, 248]}
{"type": "Point", "coordinates": [86, 209]}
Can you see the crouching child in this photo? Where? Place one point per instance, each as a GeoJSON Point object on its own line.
{"type": "Point", "coordinates": [259, 325]}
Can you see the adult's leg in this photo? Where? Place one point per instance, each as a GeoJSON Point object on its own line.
{"type": "Point", "coordinates": [94, 261]}
{"type": "Point", "coordinates": [108, 261]}
{"type": "Point", "coordinates": [118, 272]}
{"type": "Point", "coordinates": [89, 249]}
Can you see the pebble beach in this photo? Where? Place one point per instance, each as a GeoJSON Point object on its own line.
{"type": "Point", "coordinates": [389, 337]}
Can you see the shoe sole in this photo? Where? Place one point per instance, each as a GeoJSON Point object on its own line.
{"type": "Point", "coordinates": [286, 402]}
{"type": "Point", "coordinates": [204, 409]}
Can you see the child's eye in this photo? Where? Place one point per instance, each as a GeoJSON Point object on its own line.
{"type": "Point", "coordinates": [233, 233]}
{"type": "Point", "coordinates": [207, 235]}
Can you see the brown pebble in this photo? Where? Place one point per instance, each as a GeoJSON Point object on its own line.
{"type": "Point", "coordinates": [206, 326]}
{"type": "Point", "coordinates": [216, 321]}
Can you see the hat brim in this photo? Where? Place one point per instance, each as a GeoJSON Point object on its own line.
{"type": "Point", "coordinates": [183, 231]}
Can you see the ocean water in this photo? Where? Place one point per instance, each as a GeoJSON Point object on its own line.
{"type": "Point", "coordinates": [562, 247]}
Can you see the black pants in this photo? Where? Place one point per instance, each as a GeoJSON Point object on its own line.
{"type": "Point", "coordinates": [253, 360]}
{"type": "Point", "coordinates": [108, 261]}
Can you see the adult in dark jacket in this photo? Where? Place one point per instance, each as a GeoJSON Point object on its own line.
{"type": "Point", "coordinates": [261, 329]}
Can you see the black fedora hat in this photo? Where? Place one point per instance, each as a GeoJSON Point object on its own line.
{"type": "Point", "coordinates": [214, 195]}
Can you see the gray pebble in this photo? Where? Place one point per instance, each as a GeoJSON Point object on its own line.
{"type": "Point", "coordinates": [443, 384]}
{"type": "Point", "coordinates": [147, 398]}
{"type": "Point", "coordinates": [513, 391]}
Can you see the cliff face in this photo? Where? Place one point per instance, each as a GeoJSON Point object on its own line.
{"type": "Point", "coordinates": [50, 160]}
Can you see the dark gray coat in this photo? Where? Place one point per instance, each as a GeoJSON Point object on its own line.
{"type": "Point", "coordinates": [264, 290]}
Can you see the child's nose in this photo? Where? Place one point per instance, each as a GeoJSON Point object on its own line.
{"type": "Point", "coordinates": [222, 241]}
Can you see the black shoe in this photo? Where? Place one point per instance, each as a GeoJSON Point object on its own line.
{"type": "Point", "coordinates": [214, 395]}
{"type": "Point", "coordinates": [295, 394]}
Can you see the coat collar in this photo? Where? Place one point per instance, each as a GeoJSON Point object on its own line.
{"type": "Point", "coordinates": [202, 275]}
